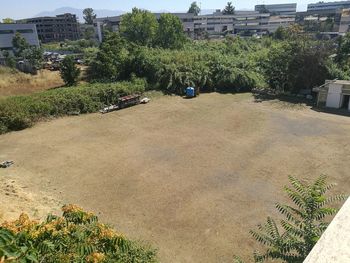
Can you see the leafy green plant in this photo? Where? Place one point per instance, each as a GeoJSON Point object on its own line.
{"type": "Point", "coordinates": [139, 26]}
{"type": "Point", "coordinates": [303, 223]}
{"type": "Point", "coordinates": [170, 32]}
{"type": "Point", "coordinates": [77, 236]}
{"type": "Point", "coordinates": [69, 71]}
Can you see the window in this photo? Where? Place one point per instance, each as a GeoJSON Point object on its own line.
{"type": "Point", "coordinates": [23, 31]}
{"type": "Point", "coordinates": [3, 32]}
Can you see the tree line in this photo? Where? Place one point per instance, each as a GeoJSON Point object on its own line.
{"type": "Point", "coordinates": [287, 61]}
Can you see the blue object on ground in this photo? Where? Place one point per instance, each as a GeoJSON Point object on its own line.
{"type": "Point", "coordinates": [190, 92]}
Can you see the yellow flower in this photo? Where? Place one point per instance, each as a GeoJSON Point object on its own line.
{"type": "Point", "coordinates": [95, 257]}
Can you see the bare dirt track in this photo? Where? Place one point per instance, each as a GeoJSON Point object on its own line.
{"type": "Point", "coordinates": [192, 177]}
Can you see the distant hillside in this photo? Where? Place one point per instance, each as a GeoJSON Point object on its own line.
{"type": "Point", "coordinates": [79, 12]}
{"type": "Point", "coordinates": [100, 12]}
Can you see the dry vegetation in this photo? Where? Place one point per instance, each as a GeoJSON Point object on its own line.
{"type": "Point", "coordinates": [13, 82]}
{"type": "Point", "coordinates": [190, 176]}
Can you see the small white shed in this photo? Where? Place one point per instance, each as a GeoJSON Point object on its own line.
{"type": "Point", "coordinates": [334, 94]}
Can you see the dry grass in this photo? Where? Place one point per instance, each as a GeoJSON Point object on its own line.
{"type": "Point", "coordinates": [13, 82]}
{"type": "Point", "coordinates": [192, 176]}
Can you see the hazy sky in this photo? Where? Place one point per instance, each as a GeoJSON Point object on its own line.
{"type": "Point", "coordinates": [27, 8]}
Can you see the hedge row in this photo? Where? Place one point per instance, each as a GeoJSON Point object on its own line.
{"type": "Point", "coordinates": [20, 112]}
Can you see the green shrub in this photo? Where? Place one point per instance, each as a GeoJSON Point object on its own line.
{"type": "Point", "coordinates": [209, 66]}
{"type": "Point", "coordinates": [77, 236]}
{"type": "Point", "coordinates": [20, 112]}
{"type": "Point", "coordinates": [69, 71]}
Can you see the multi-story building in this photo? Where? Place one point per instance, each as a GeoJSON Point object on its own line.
{"type": "Point", "coordinates": [219, 23]}
{"type": "Point", "coordinates": [278, 9]}
{"type": "Point", "coordinates": [7, 32]}
{"type": "Point", "coordinates": [328, 6]}
{"type": "Point", "coordinates": [55, 29]}
{"type": "Point", "coordinates": [249, 22]}
{"type": "Point", "coordinates": [246, 22]}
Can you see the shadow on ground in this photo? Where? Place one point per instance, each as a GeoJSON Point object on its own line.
{"type": "Point", "coordinates": [260, 97]}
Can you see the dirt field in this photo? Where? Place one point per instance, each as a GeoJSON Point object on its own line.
{"type": "Point", "coordinates": [192, 177]}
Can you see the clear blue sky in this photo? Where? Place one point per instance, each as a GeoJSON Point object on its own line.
{"type": "Point", "coordinates": [27, 8]}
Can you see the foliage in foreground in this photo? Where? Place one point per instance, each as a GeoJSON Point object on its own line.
{"type": "Point", "coordinates": [77, 236]}
{"type": "Point", "coordinates": [303, 223]}
{"type": "Point", "coordinates": [20, 112]}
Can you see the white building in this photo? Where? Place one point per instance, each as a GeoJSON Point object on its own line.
{"type": "Point", "coordinates": [7, 32]}
{"type": "Point", "coordinates": [323, 6]}
{"type": "Point", "coordinates": [242, 21]}
{"type": "Point", "coordinates": [334, 94]}
{"type": "Point", "coordinates": [278, 9]}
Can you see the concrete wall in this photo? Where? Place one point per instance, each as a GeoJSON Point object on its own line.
{"type": "Point", "coordinates": [334, 96]}
{"type": "Point", "coordinates": [334, 245]}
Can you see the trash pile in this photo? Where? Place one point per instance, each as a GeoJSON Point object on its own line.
{"type": "Point", "coordinates": [124, 102]}
{"type": "Point", "coordinates": [6, 164]}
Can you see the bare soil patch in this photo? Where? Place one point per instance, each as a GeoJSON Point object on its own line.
{"type": "Point", "coordinates": [192, 177]}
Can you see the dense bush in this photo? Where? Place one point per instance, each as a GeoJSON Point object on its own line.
{"type": "Point", "coordinates": [77, 236]}
{"type": "Point", "coordinates": [288, 62]}
{"type": "Point", "coordinates": [69, 71]}
{"type": "Point", "coordinates": [110, 61]}
{"type": "Point", "coordinates": [232, 65]}
{"type": "Point", "coordinates": [19, 112]}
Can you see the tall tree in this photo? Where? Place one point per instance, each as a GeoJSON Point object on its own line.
{"type": "Point", "coordinates": [194, 9]}
{"type": "Point", "coordinates": [343, 52]}
{"type": "Point", "coordinates": [139, 26]}
{"type": "Point", "coordinates": [89, 33]}
{"type": "Point", "coordinates": [109, 61]}
{"type": "Point", "coordinates": [8, 20]}
{"type": "Point", "coordinates": [89, 16]}
{"type": "Point", "coordinates": [170, 32]}
{"type": "Point", "coordinates": [229, 9]}
{"type": "Point", "coordinates": [69, 71]}
{"type": "Point", "coordinates": [19, 44]}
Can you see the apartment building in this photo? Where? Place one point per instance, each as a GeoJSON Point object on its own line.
{"type": "Point", "coordinates": [218, 23]}
{"type": "Point", "coordinates": [328, 6]}
{"type": "Point", "coordinates": [242, 22]}
{"type": "Point", "coordinates": [56, 29]}
{"type": "Point", "coordinates": [277, 9]}
{"type": "Point", "coordinates": [7, 32]}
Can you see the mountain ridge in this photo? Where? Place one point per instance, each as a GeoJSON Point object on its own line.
{"type": "Point", "coordinates": [98, 12]}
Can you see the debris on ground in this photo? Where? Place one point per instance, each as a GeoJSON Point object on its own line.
{"type": "Point", "coordinates": [109, 109]}
{"type": "Point", "coordinates": [145, 100]}
{"type": "Point", "coordinates": [124, 102]}
{"type": "Point", "coordinates": [73, 113]}
{"type": "Point", "coordinates": [6, 164]}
